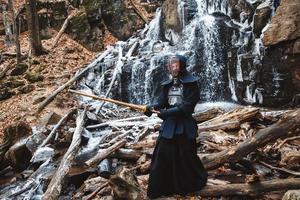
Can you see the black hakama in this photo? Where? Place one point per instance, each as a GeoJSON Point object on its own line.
{"type": "Point", "coordinates": [175, 168]}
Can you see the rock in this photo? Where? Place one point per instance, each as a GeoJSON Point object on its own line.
{"type": "Point", "coordinates": [121, 21]}
{"type": "Point", "coordinates": [89, 35]}
{"type": "Point", "coordinates": [35, 62]}
{"type": "Point", "coordinates": [26, 89]}
{"type": "Point", "coordinates": [34, 77]}
{"type": "Point", "coordinates": [13, 146]}
{"type": "Point", "coordinates": [291, 195]}
{"type": "Point", "coordinates": [92, 119]}
{"type": "Point", "coordinates": [50, 119]}
{"type": "Point", "coordinates": [42, 154]}
{"type": "Point", "coordinates": [125, 185]}
{"type": "Point", "coordinates": [38, 98]}
{"type": "Point", "coordinates": [296, 47]}
{"type": "Point", "coordinates": [18, 155]}
{"type": "Point", "coordinates": [12, 83]}
{"type": "Point", "coordinates": [19, 69]}
{"type": "Point", "coordinates": [5, 93]}
{"type": "Point", "coordinates": [261, 17]}
{"type": "Point", "coordinates": [170, 16]}
{"type": "Point", "coordinates": [241, 10]}
{"type": "Point", "coordinates": [285, 24]}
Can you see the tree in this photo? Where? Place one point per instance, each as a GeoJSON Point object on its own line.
{"type": "Point", "coordinates": [33, 28]}
{"type": "Point", "coordinates": [15, 30]}
{"type": "Point", "coordinates": [8, 32]}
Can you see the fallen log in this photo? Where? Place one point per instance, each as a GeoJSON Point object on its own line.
{"type": "Point", "coordinates": [53, 131]}
{"type": "Point", "coordinates": [280, 169]}
{"type": "Point", "coordinates": [103, 153]}
{"type": "Point", "coordinates": [207, 114]}
{"type": "Point", "coordinates": [230, 120]}
{"type": "Point", "coordinates": [285, 127]}
{"type": "Point", "coordinates": [148, 143]}
{"type": "Point", "coordinates": [119, 120]}
{"type": "Point", "coordinates": [255, 189]}
{"type": "Point", "coordinates": [44, 103]}
{"type": "Point", "coordinates": [231, 125]}
{"type": "Point", "coordinates": [139, 11]}
{"type": "Point", "coordinates": [55, 186]}
{"type": "Point", "coordinates": [63, 28]}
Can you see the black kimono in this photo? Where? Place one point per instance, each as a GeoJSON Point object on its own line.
{"type": "Point", "coordinates": [175, 166]}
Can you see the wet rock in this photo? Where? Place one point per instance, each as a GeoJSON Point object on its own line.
{"type": "Point", "coordinates": [20, 153]}
{"type": "Point", "coordinates": [92, 119]}
{"type": "Point", "coordinates": [26, 89]}
{"type": "Point", "coordinates": [42, 154]}
{"type": "Point", "coordinates": [241, 10]}
{"type": "Point", "coordinates": [35, 140]}
{"type": "Point", "coordinates": [5, 93]}
{"type": "Point", "coordinates": [104, 169]}
{"type": "Point", "coordinates": [34, 77]}
{"type": "Point", "coordinates": [278, 75]}
{"type": "Point", "coordinates": [261, 17]}
{"type": "Point", "coordinates": [51, 118]}
{"type": "Point", "coordinates": [19, 69]}
{"type": "Point", "coordinates": [285, 23]}
{"type": "Point", "coordinates": [291, 195]}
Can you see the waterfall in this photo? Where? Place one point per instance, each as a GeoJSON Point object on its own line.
{"type": "Point", "coordinates": [218, 49]}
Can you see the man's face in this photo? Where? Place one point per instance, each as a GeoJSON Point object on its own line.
{"type": "Point", "coordinates": [174, 67]}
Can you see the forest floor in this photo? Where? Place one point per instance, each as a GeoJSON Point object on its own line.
{"type": "Point", "coordinates": [57, 66]}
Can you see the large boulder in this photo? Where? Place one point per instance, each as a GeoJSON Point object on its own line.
{"type": "Point", "coordinates": [5, 93]}
{"type": "Point", "coordinates": [285, 25]}
{"type": "Point", "coordinates": [171, 17]}
{"type": "Point", "coordinates": [261, 17]}
{"type": "Point", "coordinates": [241, 10]}
{"type": "Point", "coordinates": [120, 20]}
{"type": "Point", "coordinates": [13, 133]}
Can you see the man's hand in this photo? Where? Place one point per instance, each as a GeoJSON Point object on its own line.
{"type": "Point", "coordinates": [148, 111]}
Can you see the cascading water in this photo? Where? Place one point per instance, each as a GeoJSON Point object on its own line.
{"type": "Point", "coordinates": [216, 46]}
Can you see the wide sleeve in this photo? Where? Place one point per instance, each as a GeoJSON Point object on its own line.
{"type": "Point", "coordinates": [161, 101]}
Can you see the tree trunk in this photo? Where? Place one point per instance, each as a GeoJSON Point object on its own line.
{"type": "Point", "coordinates": [15, 31]}
{"type": "Point", "coordinates": [8, 32]}
{"type": "Point", "coordinates": [33, 28]}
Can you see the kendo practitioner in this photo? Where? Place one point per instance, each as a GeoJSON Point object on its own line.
{"type": "Point", "coordinates": [175, 167]}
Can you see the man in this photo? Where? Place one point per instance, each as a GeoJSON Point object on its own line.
{"type": "Point", "coordinates": [175, 166]}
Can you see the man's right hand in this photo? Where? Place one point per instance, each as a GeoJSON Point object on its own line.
{"type": "Point", "coordinates": [148, 111]}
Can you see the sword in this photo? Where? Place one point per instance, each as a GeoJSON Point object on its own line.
{"type": "Point", "coordinates": [141, 108]}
